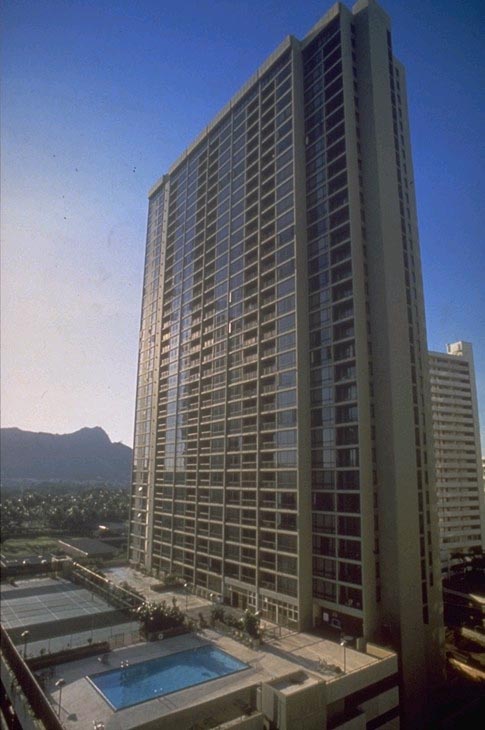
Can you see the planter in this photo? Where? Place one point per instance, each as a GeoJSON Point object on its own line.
{"type": "Point", "coordinates": [165, 634]}
{"type": "Point", "coordinates": [68, 655]}
{"type": "Point", "coordinates": [155, 636]}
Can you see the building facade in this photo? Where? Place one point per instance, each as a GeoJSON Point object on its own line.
{"type": "Point", "coordinates": [282, 454]}
{"type": "Point", "coordinates": [456, 434]}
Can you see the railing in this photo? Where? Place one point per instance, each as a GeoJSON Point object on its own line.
{"type": "Point", "coordinates": [51, 566]}
{"type": "Point", "coordinates": [115, 595]}
{"type": "Point", "coordinates": [126, 638]}
{"type": "Point", "coordinates": [28, 684]}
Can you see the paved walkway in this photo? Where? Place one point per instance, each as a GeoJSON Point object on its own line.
{"type": "Point", "coordinates": [144, 584]}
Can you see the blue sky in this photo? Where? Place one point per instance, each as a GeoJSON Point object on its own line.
{"type": "Point", "coordinates": [99, 98]}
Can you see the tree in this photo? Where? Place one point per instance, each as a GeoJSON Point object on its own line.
{"type": "Point", "coordinates": [159, 616]}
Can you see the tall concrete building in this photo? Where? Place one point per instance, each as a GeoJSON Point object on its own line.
{"type": "Point", "coordinates": [282, 454]}
{"type": "Point", "coordinates": [456, 433]}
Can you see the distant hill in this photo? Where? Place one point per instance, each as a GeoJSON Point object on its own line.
{"type": "Point", "coordinates": [87, 455]}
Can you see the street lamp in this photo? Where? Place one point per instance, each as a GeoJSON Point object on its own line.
{"type": "Point", "coordinates": [343, 642]}
{"type": "Point", "coordinates": [25, 636]}
{"type": "Point", "coordinates": [60, 683]}
{"type": "Point", "coordinates": [186, 586]}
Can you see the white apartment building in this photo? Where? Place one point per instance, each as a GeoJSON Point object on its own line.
{"type": "Point", "coordinates": [456, 434]}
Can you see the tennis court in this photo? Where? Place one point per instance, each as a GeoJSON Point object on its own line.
{"type": "Point", "coordinates": [45, 600]}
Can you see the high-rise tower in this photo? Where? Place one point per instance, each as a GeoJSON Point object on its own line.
{"type": "Point", "coordinates": [456, 433]}
{"type": "Point", "coordinates": [282, 442]}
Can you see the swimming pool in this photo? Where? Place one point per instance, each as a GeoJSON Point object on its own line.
{"type": "Point", "coordinates": [137, 683]}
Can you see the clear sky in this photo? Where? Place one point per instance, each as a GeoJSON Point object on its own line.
{"type": "Point", "coordinates": [99, 98]}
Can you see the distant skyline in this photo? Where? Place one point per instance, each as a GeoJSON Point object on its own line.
{"type": "Point", "coordinates": [100, 97]}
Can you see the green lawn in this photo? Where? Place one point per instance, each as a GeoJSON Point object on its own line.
{"type": "Point", "coordinates": [28, 546]}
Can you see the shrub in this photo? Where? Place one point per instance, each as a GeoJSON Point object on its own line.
{"type": "Point", "coordinates": [233, 622]}
{"type": "Point", "coordinates": [128, 587]}
{"type": "Point", "coordinates": [251, 623]}
{"type": "Point", "coordinates": [158, 587]}
{"type": "Point", "coordinates": [171, 579]}
{"type": "Point", "coordinates": [217, 613]}
{"type": "Point", "coordinates": [156, 617]}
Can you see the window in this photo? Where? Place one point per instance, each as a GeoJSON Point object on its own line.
{"type": "Point", "coordinates": [348, 480]}
{"type": "Point", "coordinates": [284, 324]}
{"type": "Point", "coordinates": [287, 585]}
{"type": "Point", "coordinates": [287, 564]}
{"type": "Point", "coordinates": [324, 523]}
{"type": "Point", "coordinates": [325, 568]}
{"type": "Point", "coordinates": [323, 545]}
{"type": "Point", "coordinates": [349, 526]}
{"type": "Point", "coordinates": [286, 438]}
{"type": "Point", "coordinates": [349, 549]}
{"type": "Point", "coordinates": [348, 503]}
{"type": "Point", "coordinates": [287, 543]}
{"type": "Point", "coordinates": [346, 414]}
{"type": "Point", "coordinates": [347, 457]}
{"type": "Point", "coordinates": [286, 342]}
{"type": "Point", "coordinates": [323, 501]}
{"type": "Point", "coordinates": [351, 597]}
{"type": "Point", "coordinates": [286, 418]}
{"type": "Point", "coordinates": [286, 398]}
{"type": "Point", "coordinates": [324, 589]}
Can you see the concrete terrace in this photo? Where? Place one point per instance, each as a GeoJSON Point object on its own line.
{"type": "Point", "coordinates": [299, 655]}
{"type": "Point", "coordinates": [304, 672]}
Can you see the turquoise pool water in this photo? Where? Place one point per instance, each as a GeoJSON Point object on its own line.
{"type": "Point", "coordinates": [157, 677]}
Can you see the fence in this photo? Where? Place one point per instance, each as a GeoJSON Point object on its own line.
{"type": "Point", "coordinates": [75, 640]}
{"type": "Point", "coordinates": [125, 639]}
{"type": "Point", "coordinates": [28, 684]}
{"type": "Point", "coordinates": [29, 570]}
{"type": "Point", "coordinates": [114, 595]}
{"type": "Point", "coordinates": [71, 642]}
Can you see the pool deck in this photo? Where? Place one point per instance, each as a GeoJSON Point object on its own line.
{"type": "Point", "coordinates": [287, 662]}
{"type": "Point", "coordinates": [81, 704]}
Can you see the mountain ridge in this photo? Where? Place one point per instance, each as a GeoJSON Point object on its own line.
{"type": "Point", "coordinates": [84, 455]}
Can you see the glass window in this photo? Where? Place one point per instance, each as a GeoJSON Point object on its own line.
{"type": "Point", "coordinates": [324, 589]}
{"type": "Point", "coordinates": [285, 270]}
{"type": "Point", "coordinates": [288, 438]}
{"type": "Point", "coordinates": [323, 545]}
{"type": "Point", "coordinates": [286, 342]}
{"type": "Point", "coordinates": [286, 360]}
{"type": "Point", "coordinates": [323, 501]}
{"type": "Point", "coordinates": [325, 568]}
{"type": "Point", "coordinates": [324, 523]}
{"type": "Point", "coordinates": [286, 398]}
{"type": "Point", "coordinates": [348, 503]}
{"type": "Point", "coordinates": [285, 287]}
{"type": "Point", "coordinates": [350, 573]}
{"type": "Point", "coordinates": [349, 526]}
{"type": "Point", "coordinates": [286, 419]}
{"type": "Point", "coordinates": [284, 324]}
{"type": "Point", "coordinates": [285, 305]}
{"type": "Point", "coordinates": [287, 379]}
{"type": "Point", "coordinates": [349, 549]}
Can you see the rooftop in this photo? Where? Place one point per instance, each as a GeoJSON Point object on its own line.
{"type": "Point", "coordinates": [286, 664]}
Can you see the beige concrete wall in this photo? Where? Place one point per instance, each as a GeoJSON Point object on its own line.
{"type": "Point", "coordinates": [303, 393]}
{"type": "Point", "coordinates": [400, 608]}
{"type": "Point", "coordinates": [347, 684]}
{"type": "Point", "coordinates": [356, 723]}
